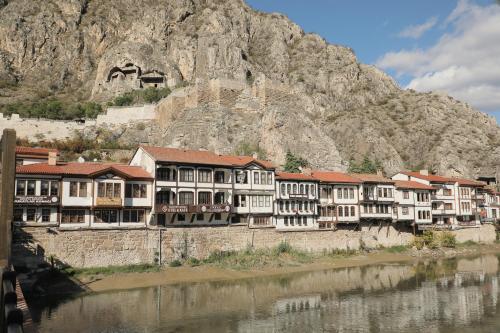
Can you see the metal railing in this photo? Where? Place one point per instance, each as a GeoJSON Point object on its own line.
{"type": "Point", "coordinates": [11, 317]}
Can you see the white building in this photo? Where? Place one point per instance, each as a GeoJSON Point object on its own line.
{"type": "Point", "coordinates": [296, 201]}
{"type": "Point", "coordinates": [338, 198]}
{"type": "Point", "coordinates": [377, 198]}
{"type": "Point", "coordinates": [29, 155]}
{"type": "Point", "coordinates": [454, 200]}
{"type": "Point", "coordinates": [413, 202]}
{"type": "Point", "coordinates": [203, 188]}
{"type": "Point", "coordinates": [82, 195]}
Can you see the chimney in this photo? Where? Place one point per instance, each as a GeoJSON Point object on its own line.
{"type": "Point", "coordinates": [255, 156]}
{"type": "Point", "coordinates": [424, 172]}
{"type": "Point", "coordinates": [52, 158]}
{"type": "Point", "coordinates": [306, 171]}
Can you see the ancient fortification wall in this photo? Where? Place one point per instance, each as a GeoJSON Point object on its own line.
{"type": "Point", "coordinates": [90, 248]}
{"type": "Point", "coordinates": [126, 114]}
{"type": "Point", "coordinates": [42, 128]}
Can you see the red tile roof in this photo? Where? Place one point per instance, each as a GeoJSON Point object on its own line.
{"type": "Point", "coordinates": [334, 177]}
{"type": "Point", "coordinates": [372, 178]}
{"type": "Point", "coordinates": [202, 157]}
{"type": "Point", "coordinates": [412, 185]}
{"type": "Point", "coordinates": [35, 151]}
{"type": "Point", "coordinates": [441, 179]}
{"type": "Point", "coordinates": [430, 178]}
{"type": "Point", "coordinates": [468, 182]}
{"type": "Point", "coordinates": [294, 176]}
{"type": "Point", "coordinates": [83, 169]}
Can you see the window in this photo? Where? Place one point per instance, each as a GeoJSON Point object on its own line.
{"type": "Point", "coordinates": [54, 188]}
{"type": "Point", "coordinates": [304, 220]}
{"type": "Point", "coordinates": [353, 211]}
{"type": "Point", "coordinates": [289, 188]}
{"type": "Point", "coordinates": [292, 223]}
{"type": "Point", "coordinates": [283, 189]}
{"type": "Point", "coordinates": [21, 187]}
{"type": "Point", "coordinates": [240, 201]}
{"type": "Point", "coordinates": [73, 216]}
{"type": "Point", "coordinates": [44, 187]}
{"type": "Point", "coordinates": [133, 216]}
{"type": "Point", "coordinates": [341, 211]}
{"type": "Point", "coordinates": [351, 193]}
{"type": "Point", "coordinates": [448, 206]}
{"type": "Point", "coordinates": [281, 206]}
{"type": "Point", "coordinates": [186, 198]}
{"type": "Point", "coordinates": [346, 211]}
{"type": "Point", "coordinates": [447, 192]}
{"type": "Point", "coordinates": [135, 191]}
{"type": "Point", "coordinates": [106, 216]}
{"type": "Point", "coordinates": [18, 214]}
{"type": "Point", "coordinates": [261, 201]}
{"type": "Point", "coordinates": [219, 177]}
{"type": "Point", "coordinates": [186, 175]}
{"type": "Point", "coordinates": [389, 192]}
{"type": "Point", "coordinates": [166, 174]}
{"type": "Point", "coordinates": [263, 178]}
{"type": "Point", "coordinates": [30, 190]}
{"type": "Point", "coordinates": [256, 178]}
{"type": "Point", "coordinates": [261, 220]}
{"type": "Point", "coordinates": [285, 219]}
{"type": "Point", "coordinates": [181, 217]}
{"type": "Point", "coordinates": [108, 190]}
{"type": "Point", "coordinates": [301, 189]}
{"type": "Point", "coordinates": [46, 215]}
{"type": "Point", "coordinates": [204, 198]}
{"type": "Point", "coordinates": [73, 189]}
{"type": "Point", "coordinates": [269, 178]}
{"type": "Point", "coordinates": [380, 192]}
{"type": "Point", "coordinates": [339, 193]}
{"type": "Point", "coordinates": [406, 195]}
{"type": "Point", "coordinates": [268, 200]}
{"type": "Point", "coordinates": [300, 206]}
{"type": "Point", "coordinates": [405, 211]}
{"type": "Point", "coordinates": [241, 177]}
{"type": "Point", "coordinates": [312, 190]}
{"type": "Point", "coordinates": [295, 188]}
{"type": "Point", "coordinates": [204, 176]}
{"type": "Point", "coordinates": [163, 197]}
{"type": "Point", "coordinates": [346, 193]}
{"type": "Point", "coordinates": [218, 216]}
{"type": "Point", "coordinates": [287, 206]}
{"type": "Point", "coordinates": [82, 192]}
{"type": "Point", "coordinates": [220, 198]}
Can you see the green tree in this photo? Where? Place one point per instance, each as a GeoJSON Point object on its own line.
{"type": "Point", "coordinates": [294, 163]}
{"type": "Point", "coordinates": [366, 166]}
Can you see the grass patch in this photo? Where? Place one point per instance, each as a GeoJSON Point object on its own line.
{"type": "Point", "coordinates": [340, 253]}
{"type": "Point", "coordinates": [281, 255]}
{"type": "Point", "coordinates": [396, 249]}
{"type": "Point", "coordinates": [110, 270]}
{"type": "Point", "coordinates": [468, 243]}
{"type": "Point", "coordinates": [175, 263]}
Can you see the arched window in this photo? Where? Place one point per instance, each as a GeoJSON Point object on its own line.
{"type": "Point", "coordinates": [313, 191]}
{"type": "Point", "coordinates": [346, 211]}
{"type": "Point", "coordinates": [281, 206]}
{"type": "Point", "coordinates": [301, 189]}
{"type": "Point", "coordinates": [341, 211]}
{"type": "Point", "coordinates": [286, 220]}
{"type": "Point", "coordinates": [288, 188]}
{"type": "Point", "coordinates": [353, 211]}
{"type": "Point", "coordinates": [283, 189]}
{"type": "Point", "coordinates": [294, 188]}
{"type": "Point", "coordinates": [287, 206]}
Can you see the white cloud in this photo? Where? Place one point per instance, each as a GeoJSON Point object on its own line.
{"type": "Point", "coordinates": [416, 31]}
{"type": "Point", "coordinates": [465, 62]}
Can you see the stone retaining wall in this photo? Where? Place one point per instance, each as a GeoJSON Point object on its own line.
{"type": "Point", "coordinates": [90, 248]}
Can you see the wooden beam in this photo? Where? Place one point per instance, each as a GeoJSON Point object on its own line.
{"type": "Point", "coordinates": [8, 174]}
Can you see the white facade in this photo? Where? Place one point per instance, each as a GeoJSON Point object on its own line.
{"type": "Point", "coordinates": [377, 201]}
{"type": "Point", "coordinates": [296, 205]}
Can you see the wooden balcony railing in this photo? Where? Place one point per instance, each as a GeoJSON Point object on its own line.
{"type": "Point", "coordinates": [11, 317]}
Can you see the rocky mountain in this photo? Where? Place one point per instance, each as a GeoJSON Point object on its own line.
{"type": "Point", "coordinates": [335, 109]}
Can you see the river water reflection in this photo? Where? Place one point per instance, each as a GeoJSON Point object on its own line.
{"type": "Point", "coordinates": [459, 295]}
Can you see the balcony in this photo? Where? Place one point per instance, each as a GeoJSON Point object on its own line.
{"type": "Point", "coordinates": [437, 197]}
{"type": "Point", "coordinates": [108, 202]}
{"type": "Point", "coordinates": [441, 211]}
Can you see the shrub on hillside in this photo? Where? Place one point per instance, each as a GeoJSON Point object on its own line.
{"type": "Point", "coordinates": [447, 239]}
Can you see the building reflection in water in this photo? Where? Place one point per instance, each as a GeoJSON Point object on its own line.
{"type": "Point", "coordinates": [428, 297]}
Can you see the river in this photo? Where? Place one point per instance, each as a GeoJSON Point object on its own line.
{"type": "Point", "coordinates": [444, 296]}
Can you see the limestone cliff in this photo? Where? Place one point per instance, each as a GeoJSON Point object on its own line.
{"type": "Point", "coordinates": [336, 108]}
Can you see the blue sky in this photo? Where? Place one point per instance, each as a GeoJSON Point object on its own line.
{"type": "Point", "coordinates": [405, 38]}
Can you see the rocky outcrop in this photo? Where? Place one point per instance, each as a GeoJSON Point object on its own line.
{"type": "Point", "coordinates": [339, 108]}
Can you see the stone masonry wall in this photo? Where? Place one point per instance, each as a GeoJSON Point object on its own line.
{"type": "Point", "coordinates": [91, 248]}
